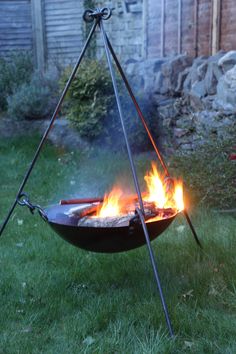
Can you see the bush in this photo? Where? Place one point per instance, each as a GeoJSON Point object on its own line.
{"type": "Point", "coordinates": [92, 109]}
{"type": "Point", "coordinates": [33, 100]}
{"type": "Point", "coordinates": [14, 72]}
{"type": "Point", "coordinates": [209, 174]}
{"type": "Point", "coordinates": [89, 98]}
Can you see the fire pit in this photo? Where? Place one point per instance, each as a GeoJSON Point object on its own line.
{"type": "Point", "coordinates": [113, 223]}
{"type": "Point", "coordinates": [99, 238]}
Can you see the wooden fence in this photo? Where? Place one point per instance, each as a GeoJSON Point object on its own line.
{"type": "Point", "coordinates": [54, 30]}
{"type": "Point", "coordinates": [51, 29]}
{"type": "Point", "coordinates": [195, 27]}
{"type": "Point", "coordinates": [15, 26]}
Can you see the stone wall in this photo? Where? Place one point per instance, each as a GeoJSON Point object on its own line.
{"type": "Point", "coordinates": [194, 99]}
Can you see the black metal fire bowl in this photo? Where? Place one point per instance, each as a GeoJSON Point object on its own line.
{"type": "Point", "coordinates": [102, 239]}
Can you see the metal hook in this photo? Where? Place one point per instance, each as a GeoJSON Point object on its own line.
{"type": "Point", "coordinates": [103, 13]}
{"type": "Point", "coordinates": [32, 207]}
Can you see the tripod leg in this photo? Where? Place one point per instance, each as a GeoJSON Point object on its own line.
{"type": "Point", "coordinates": [155, 271]}
{"type": "Point", "coordinates": [147, 130]}
{"type": "Point", "coordinates": [192, 229]}
{"type": "Point", "coordinates": [27, 175]}
{"type": "Point", "coordinates": [120, 110]}
{"type": "Point", "coordinates": [140, 114]}
{"type": "Point", "coordinates": [8, 217]}
{"type": "Point", "coordinates": [135, 181]}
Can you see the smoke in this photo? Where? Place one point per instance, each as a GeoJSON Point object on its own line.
{"type": "Point", "coordinates": [94, 173]}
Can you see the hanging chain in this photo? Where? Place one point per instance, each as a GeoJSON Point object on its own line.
{"type": "Point", "coordinates": [23, 200]}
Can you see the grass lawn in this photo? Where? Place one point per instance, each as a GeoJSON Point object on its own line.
{"type": "Point", "coordinates": [56, 298]}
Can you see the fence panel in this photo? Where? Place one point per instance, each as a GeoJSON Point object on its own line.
{"type": "Point", "coordinates": [15, 26]}
{"type": "Point", "coordinates": [63, 30]}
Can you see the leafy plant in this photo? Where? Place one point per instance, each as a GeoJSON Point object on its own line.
{"type": "Point", "coordinates": [92, 108]}
{"type": "Point", "coordinates": [14, 71]}
{"type": "Point", "coordinates": [209, 173]}
{"type": "Point", "coordinates": [33, 100]}
{"type": "Point", "coordinates": [89, 98]}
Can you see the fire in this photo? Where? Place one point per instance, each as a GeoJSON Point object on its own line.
{"type": "Point", "coordinates": [112, 204]}
{"type": "Point", "coordinates": [156, 191]}
{"type": "Point", "coordinates": [165, 193]}
{"type": "Point", "coordinates": [178, 196]}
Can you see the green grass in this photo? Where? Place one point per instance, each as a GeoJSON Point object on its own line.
{"type": "Point", "coordinates": [56, 298]}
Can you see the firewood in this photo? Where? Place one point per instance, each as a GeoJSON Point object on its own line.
{"type": "Point", "coordinates": [86, 214]}
{"type": "Point", "coordinates": [114, 221]}
{"type": "Point", "coordinates": [80, 201]}
{"type": "Point", "coordinates": [82, 210]}
{"type": "Point", "coordinates": [91, 210]}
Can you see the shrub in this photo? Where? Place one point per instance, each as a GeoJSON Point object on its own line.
{"type": "Point", "coordinates": [33, 100]}
{"type": "Point", "coordinates": [89, 98]}
{"type": "Point", "coordinates": [92, 109]}
{"type": "Point", "coordinates": [209, 174]}
{"type": "Point", "coordinates": [14, 71]}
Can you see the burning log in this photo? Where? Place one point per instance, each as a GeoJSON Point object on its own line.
{"type": "Point", "coordinates": [83, 210]}
{"type": "Point", "coordinates": [115, 221]}
{"type": "Point", "coordinates": [88, 214]}
{"type": "Point", "coordinates": [91, 210]}
{"type": "Point", "coordinates": [117, 209]}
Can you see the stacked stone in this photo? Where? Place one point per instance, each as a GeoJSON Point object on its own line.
{"type": "Point", "coordinates": [195, 99]}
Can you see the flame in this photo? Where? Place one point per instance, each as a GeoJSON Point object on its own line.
{"type": "Point", "coordinates": [156, 192]}
{"type": "Point", "coordinates": [165, 193]}
{"type": "Point", "coordinates": [112, 204]}
{"type": "Point", "coordinates": [178, 196]}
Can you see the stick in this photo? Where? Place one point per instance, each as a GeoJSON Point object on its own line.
{"type": "Point", "coordinates": [80, 201]}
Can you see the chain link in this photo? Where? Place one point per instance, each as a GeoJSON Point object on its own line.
{"type": "Point", "coordinates": [23, 200]}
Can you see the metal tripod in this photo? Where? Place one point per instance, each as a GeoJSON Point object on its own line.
{"type": "Point", "coordinates": [97, 16]}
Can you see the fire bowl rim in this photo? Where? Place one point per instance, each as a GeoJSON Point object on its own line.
{"type": "Point", "coordinates": [105, 239]}
{"type": "Point", "coordinates": [72, 218]}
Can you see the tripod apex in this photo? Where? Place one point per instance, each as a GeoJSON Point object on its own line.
{"type": "Point", "coordinates": [98, 14]}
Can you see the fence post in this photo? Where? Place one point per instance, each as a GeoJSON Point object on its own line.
{"type": "Point", "coordinates": [163, 14]}
{"type": "Point", "coordinates": [38, 33]}
{"type": "Point", "coordinates": [215, 35]}
{"type": "Point", "coordinates": [196, 27]}
{"type": "Point", "coordinates": [179, 26]}
{"type": "Point", "coordinates": [145, 29]}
